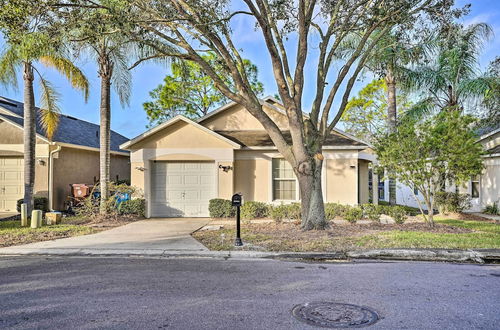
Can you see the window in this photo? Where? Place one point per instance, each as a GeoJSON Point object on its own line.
{"type": "Point", "coordinates": [284, 181]}
{"type": "Point", "coordinates": [475, 187]}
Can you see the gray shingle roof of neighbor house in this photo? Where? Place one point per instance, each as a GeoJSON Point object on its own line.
{"type": "Point", "coordinates": [70, 130]}
{"type": "Point", "coordinates": [262, 139]}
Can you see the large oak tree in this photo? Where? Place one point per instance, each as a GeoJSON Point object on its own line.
{"type": "Point", "coordinates": [291, 31]}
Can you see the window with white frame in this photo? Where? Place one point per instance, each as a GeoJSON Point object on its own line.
{"type": "Point", "coordinates": [475, 187]}
{"type": "Point", "coordinates": [284, 180]}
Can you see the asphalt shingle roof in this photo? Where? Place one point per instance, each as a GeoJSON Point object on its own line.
{"type": "Point", "coordinates": [262, 139]}
{"type": "Point", "coordinates": [70, 130]}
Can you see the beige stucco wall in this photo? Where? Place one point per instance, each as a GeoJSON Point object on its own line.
{"type": "Point", "coordinates": [238, 118]}
{"type": "Point", "coordinates": [342, 180]}
{"type": "Point", "coordinates": [490, 182]}
{"type": "Point", "coordinates": [181, 135]}
{"type": "Point", "coordinates": [73, 165]}
{"type": "Point", "coordinates": [252, 179]}
{"type": "Point", "coordinates": [225, 180]}
{"type": "Point", "coordinates": [363, 182]}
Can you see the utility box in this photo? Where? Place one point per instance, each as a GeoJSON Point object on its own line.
{"type": "Point", "coordinates": [53, 218]}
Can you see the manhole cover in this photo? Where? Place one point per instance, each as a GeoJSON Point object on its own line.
{"type": "Point", "coordinates": [334, 315]}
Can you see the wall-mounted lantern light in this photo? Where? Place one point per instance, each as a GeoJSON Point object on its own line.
{"type": "Point", "coordinates": [40, 162]}
{"type": "Point", "coordinates": [225, 168]}
{"type": "Point", "coordinates": [140, 168]}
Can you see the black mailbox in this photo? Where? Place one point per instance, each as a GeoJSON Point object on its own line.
{"type": "Point", "coordinates": [237, 200]}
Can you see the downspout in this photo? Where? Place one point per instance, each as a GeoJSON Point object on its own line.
{"type": "Point", "coordinates": [51, 177]}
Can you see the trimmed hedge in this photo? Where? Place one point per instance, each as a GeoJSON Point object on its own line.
{"type": "Point", "coordinates": [255, 210]}
{"type": "Point", "coordinates": [353, 214]}
{"type": "Point", "coordinates": [334, 210]}
{"type": "Point", "coordinates": [135, 206]}
{"type": "Point", "coordinates": [220, 208]}
{"type": "Point", "coordinates": [286, 211]}
{"type": "Point", "coordinates": [40, 203]}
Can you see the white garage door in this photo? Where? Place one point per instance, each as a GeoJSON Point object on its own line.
{"type": "Point", "coordinates": [11, 182]}
{"type": "Point", "coordinates": [182, 189]}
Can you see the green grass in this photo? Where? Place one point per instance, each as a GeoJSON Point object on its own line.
{"type": "Point", "coordinates": [408, 239]}
{"type": "Point", "coordinates": [488, 227]}
{"type": "Point", "coordinates": [11, 232]}
{"type": "Point", "coordinates": [484, 235]}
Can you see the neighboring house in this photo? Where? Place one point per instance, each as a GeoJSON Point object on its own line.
{"type": "Point", "coordinates": [181, 164]}
{"type": "Point", "coordinates": [483, 189]}
{"type": "Point", "coordinates": [71, 157]}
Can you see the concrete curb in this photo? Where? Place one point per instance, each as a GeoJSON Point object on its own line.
{"type": "Point", "coordinates": [442, 255]}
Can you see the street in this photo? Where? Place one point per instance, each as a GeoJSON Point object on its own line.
{"type": "Point", "coordinates": [194, 293]}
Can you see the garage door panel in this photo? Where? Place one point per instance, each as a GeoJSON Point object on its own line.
{"type": "Point", "coordinates": [182, 188]}
{"type": "Point", "coordinates": [11, 182]}
{"type": "Point", "coordinates": [191, 179]}
{"type": "Point", "coordinates": [174, 179]}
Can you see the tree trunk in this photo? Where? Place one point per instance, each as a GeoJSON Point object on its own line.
{"type": "Point", "coordinates": [29, 135]}
{"type": "Point", "coordinates": [391, 121]}
{"type": "Point", "coordinates": [105, 72]}
{"type": "Point", "coordinates": [312, 208]}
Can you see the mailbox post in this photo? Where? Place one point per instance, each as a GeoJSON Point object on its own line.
{"type": "Point", "coordinates": [237, 200]}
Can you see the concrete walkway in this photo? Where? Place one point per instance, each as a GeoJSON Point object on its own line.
{"type": "Point", "coordinates": [488, 216]}
{"type": "Point", "coordinates": [155, 236]}
{"type": "Point", "coordinates": [5, 215]}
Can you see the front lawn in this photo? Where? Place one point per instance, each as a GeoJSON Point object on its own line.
{"type": "Point", "coordinates": [448, 234]}
{"type": "Point", "coordinates": [11, 232]}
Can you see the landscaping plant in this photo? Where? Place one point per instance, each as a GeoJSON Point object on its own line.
{"type": "Point", "coordinates": [353, 214]}
{"type": "Point", "coordinates": [254, 210]}
{"type": "Point", "coordinates": [423, 152]}
{"type": "Point", "coordinates": [452, 202]}
{"type": "Point", "coordinates": [221, 208]}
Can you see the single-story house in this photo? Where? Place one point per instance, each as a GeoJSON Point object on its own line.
{"type": "Point", "coordinates": [484, 189]}
{"type": "Point", "coordinates": [72, 156]}
{"type": "Point", "coordinates": [181, 164]}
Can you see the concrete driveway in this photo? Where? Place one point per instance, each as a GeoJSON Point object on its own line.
{"type": "Point", "coordinates": [153, 236]}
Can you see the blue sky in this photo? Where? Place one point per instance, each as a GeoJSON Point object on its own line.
{"type": "Point", "coordinates": [131, 121]}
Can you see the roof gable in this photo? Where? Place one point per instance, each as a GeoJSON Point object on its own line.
{"type": "Point", "coordinates": [155, 134]}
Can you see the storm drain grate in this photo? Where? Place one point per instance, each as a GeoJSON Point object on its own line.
{"type": "Point", "coordinates": [334, 315]}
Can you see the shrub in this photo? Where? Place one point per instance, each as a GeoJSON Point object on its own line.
{"type": "Point", "coordinates": [253, 210]}
{"type": "Point", "coordinates": [135, 206]}
{"type": "Point", "coordinates": [353, 214]}
{"type": "Point", "coordinates": [40, 203]}
{"type": "Point", "coordinates": [90, 206]}
{"type": "Point", "coordinates": [220, 208]}
{"type": "Point", "coordinates": [398, 213]}
{"type": "Point", "coordinates": [372, 212]}
{"type": "Point", "coordinates": [286, 211]}
{"type": "Point", "coordinates": [333, 210]}
{"type": "Point", "coordinates": [451, 202]}
{"type": "Point", "coordinates": [492, 209]}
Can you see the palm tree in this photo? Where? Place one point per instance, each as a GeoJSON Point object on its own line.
{"type": "Point", "coordinates": [453, 78]}
{"type": "Point", "coordinates": [29, 50]}
{"type": "Point", "coordinates": [390, 59]}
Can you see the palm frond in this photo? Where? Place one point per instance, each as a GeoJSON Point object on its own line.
{"type": "Point", "coordinates": [478, 87]}
{"type": "Point", "coordinates": [419, 110]}
{"type": "Point", "coordinates": [9, 65]}
{"type": "Point", "coordinates": [74, 75]}
{"type": "Point", "coordinates": [49, 110]}
{"type": "Point", "coordinates": [121, 79]}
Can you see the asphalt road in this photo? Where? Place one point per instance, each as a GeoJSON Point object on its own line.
{"type": "Point", "coordinates": [137, 293]}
